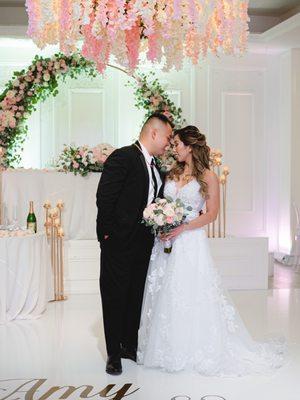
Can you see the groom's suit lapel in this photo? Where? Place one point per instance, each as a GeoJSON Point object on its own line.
{"type": "Point", "coordinates": [138, 149]}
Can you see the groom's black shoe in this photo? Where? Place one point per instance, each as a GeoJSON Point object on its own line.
{"type": "Point", "coordinates": [113, 365]}
{"type": "Point", "coordinates": [128, 352]}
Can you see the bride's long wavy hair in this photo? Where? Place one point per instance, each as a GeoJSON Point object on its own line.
{"type": "Point", "coordinates": [191, 136]}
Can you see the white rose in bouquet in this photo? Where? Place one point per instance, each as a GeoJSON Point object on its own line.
{"type": "Point", "coordinates": [159, 219]}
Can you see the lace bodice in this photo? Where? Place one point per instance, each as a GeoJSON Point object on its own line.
{"type": "Point", "coordinates": [189, 194]}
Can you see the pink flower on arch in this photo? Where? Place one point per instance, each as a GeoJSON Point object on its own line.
{"type": "Point", "coordinates": [155, 100]}
{"type": "Point", "coordinates": [12, 122]}
{"type": "Point", "coordinates": [168, 114]}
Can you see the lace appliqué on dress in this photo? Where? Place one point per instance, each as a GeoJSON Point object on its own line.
{"type": "Point", "coordinates": [188, 320]}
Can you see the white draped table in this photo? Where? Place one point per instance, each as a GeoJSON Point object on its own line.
{"type": "Point", "coordinates": [25, 277]}
{"type": "Point", "coordinates": [77, 192]}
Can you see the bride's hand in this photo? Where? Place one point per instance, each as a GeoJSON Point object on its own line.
{"type": "Point", "coordinates": [162, 236]}
{"type": "Point", "coordinates": [175, 232]}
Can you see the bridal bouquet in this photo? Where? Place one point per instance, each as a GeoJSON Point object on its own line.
{"type": "Point", "coordinates": [83, 159]}
{"type": "Point", "coordinates": [165, 215]}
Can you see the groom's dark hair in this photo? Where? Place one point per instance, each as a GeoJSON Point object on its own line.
{"type": "Point", "coordinates": [162, 117]}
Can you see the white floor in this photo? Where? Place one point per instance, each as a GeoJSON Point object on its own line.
{"type": "Point", "coordinates": [66, 347]}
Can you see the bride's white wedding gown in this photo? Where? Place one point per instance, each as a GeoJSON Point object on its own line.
{"type": "Point", "coordinates": [188, 320]}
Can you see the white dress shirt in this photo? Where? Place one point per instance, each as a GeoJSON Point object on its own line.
{"type": "Point", "coordinates": [148, 160]}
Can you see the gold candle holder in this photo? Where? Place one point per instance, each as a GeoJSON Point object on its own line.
{"type": "Point", "coordinates": [55, 235]}
{"type": "Point", "coordinates": [217, 162]}
{"type": "Point", "coordinates": [47, 223]}
{"type": "Point", "coordinates": [60, 235]}
{"type": "Point", "coordinates": [215, 228]}
{"type": "Point", "coordinates": [223, 181]}
{"type": "Point", "coordinates": [60, 206]}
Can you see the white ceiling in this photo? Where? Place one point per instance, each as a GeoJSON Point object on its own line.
{"type": "Point", "coordinates": [11, 3]}
{"type": "Point", "coordinates": [276, 8]}
{"type": "Point", "coordinates": [273, 4]}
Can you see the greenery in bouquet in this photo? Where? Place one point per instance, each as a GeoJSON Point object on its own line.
{"type": "Point", "coordinates": [83, 159]}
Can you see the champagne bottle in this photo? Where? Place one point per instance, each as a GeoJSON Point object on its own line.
{"type": "Point", "coordinates": [31, 219]}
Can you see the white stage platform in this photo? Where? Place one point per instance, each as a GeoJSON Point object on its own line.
{"type": "Point", "coordinates": [242, 262]}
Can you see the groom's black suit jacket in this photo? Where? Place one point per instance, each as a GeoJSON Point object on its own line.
{"type": "Point", "coordinates": [122, 195]}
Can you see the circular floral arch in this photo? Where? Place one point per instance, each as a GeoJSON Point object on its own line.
{"type": "Point", "coordinates": [40, 80]}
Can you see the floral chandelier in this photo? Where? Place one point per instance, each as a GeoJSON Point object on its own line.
{"type": "Point", "coordinates": [166, 30]}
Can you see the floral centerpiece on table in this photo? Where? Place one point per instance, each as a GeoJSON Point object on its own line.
{"type": "Point", "coordinates": [83, 159]}
{"type": "Point", "coordinates": [165, 215]}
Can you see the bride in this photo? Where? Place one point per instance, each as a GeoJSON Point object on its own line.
{"type": "Point", "coordinates": [188, 320]}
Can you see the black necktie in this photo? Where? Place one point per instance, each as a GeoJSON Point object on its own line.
{"type": "Point", "coordinates": [154, 180]}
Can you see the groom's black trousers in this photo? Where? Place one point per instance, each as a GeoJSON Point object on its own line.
{"type": "Point", "coordinates": [124, 265]}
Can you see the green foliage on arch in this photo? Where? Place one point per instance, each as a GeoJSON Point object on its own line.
{"type": "Point", "coordinates": [41, 79]}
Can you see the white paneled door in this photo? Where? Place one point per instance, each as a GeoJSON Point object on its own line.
{"type": "Point", "coordinates": [236, 113]}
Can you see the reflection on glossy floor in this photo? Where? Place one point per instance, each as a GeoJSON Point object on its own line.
{"type": "Point", "coordinates": [66, 347]}
{"type": "Point", "coordinates": [285, 277]}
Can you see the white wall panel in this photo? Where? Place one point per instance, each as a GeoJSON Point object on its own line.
{"type": "Point", "coordinates": [86, 116]}
{"type": "Point", "coordinates": [175, 96]}
{"type": "Point", "coordinates": [236, 122]}
{"type": "Point", "coordinates": [237, 144]}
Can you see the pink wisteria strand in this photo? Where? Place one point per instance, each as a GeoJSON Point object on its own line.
{"type": "Point", "coordinates": [65, 22]}
{"type": "Point", "coordinates": [133, 43]}
{"type": "Point", "coordinates": [33, 11]}
{"type": "Point", "coordinates": [169, 30]}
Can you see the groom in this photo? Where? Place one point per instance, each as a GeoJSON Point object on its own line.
{"type": "Point", "coordinates": [130, 181]}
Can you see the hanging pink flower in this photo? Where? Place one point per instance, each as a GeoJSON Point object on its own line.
{"type": "Point", "coordinates": [34, 15]}
{"type": "Point", "coordinates": [93, 49]}
{"type": "Point", "coordinates": [153, 53]}
{"type": "Point", "coordinates": [133, 43]}
{"type": "Point", "coordinates": [65, 24]}
{"type": "Point", "coordinates": [174, 28]}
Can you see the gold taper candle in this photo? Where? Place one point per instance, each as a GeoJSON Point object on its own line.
{"type": "Point", "coordinates": [224, 209]}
